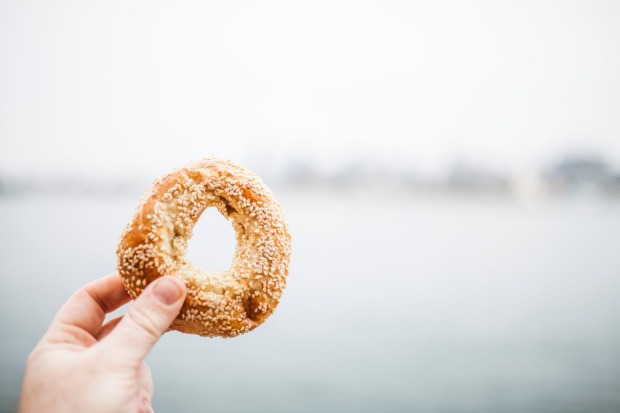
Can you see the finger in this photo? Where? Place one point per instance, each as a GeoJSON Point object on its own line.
{"type": "Point", "coordinates": [108, 327]}
{"type": "Point", "coordinates": [146, 381]}
{"type": "Point", "coordinates": [86, 308]}
{"type": "Point", "coordinates": [145, 407]}
{"type": "Point", "coordinates": [145, 391]}
{"type": "Point", "coordinates": [148, 318]}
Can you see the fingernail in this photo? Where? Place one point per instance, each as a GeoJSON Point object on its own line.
{"type": "Point", "coordinates": [167, 291]}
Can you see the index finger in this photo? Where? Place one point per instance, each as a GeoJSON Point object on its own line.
{"type": "Point", "coordinates": [86, 309]}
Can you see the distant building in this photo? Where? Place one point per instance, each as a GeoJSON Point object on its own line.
{"type": "Point", "coordinates": [581, 174]}
{"type": "Point", "coordinates": [467, 178]}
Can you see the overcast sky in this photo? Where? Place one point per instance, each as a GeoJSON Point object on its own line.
{"type": "Point", "coordinates": [120, 87]}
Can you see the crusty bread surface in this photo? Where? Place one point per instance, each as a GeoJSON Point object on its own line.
{"type": "Point", "coordinates": [154, 244]}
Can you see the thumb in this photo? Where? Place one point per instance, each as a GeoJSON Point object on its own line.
{"type": "Point", "coordinates": [147, 320]}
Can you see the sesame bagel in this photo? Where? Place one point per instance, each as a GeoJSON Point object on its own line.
{"type": "Point", "coordinates": [154, 244]}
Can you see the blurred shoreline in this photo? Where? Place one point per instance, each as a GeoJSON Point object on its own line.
{"type": "Point", "coordinates": [571, 177]}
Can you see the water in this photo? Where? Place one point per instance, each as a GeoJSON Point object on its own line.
{"type": "Point", "coordinates": [394, 304]}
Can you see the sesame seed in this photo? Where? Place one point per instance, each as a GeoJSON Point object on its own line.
{"type": "Point", "coordinates": [219, 303]}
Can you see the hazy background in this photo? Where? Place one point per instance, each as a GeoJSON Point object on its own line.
{"type": "Point", "coordinates": [450, 172]}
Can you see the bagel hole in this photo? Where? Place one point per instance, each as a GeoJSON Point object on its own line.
{"type": "Point", "coordinates": [212, 246]}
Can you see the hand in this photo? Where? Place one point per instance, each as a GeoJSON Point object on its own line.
{"type": "Point", "coordinates": [82, 365]}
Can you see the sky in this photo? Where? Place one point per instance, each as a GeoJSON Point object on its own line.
{"type": "Point", "coordinates": [139, 87]}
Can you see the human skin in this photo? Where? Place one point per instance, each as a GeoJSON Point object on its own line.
{"type": "Point", "coordinates": [83, 365]}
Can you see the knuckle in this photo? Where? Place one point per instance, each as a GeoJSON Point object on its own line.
{"type": "Point", "coordinates": [145, 321]}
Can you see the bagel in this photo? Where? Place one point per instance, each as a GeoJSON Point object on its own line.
{"type": "Point", "coordinates": [154, 244]}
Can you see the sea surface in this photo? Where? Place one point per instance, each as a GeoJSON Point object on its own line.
{"type": "Point", "coordinates": [395, 303]}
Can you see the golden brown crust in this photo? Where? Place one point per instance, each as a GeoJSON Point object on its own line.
{"type": "Point", "coordinates": [224, 303]}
